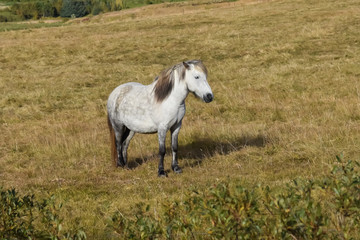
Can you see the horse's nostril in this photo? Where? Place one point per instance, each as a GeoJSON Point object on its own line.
{"type": "Point", "coordinates": [208, 97]}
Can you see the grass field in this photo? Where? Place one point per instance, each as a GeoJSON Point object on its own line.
{"type": "Point", "coordinates": [285, 75]}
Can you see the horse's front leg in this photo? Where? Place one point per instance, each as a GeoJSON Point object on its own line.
{"type": "Point", "coordinates": [162, 150]}
{"type": "Point", "coordinates": [174, 147]}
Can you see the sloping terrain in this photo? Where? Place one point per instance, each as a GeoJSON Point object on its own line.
{"type": "Point", "coordinates": [285, 75]}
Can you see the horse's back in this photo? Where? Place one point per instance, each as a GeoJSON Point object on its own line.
{"type": "Point", "coordinates": [130, 105]}
{"type": "Point", "coordinates": [119, 93]}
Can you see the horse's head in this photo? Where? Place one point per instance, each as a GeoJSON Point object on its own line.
{"type": "Point", "coordinates": [195, 78]}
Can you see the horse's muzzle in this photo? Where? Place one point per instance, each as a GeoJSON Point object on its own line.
{"type": "Point", "coordinates": [208, 97]}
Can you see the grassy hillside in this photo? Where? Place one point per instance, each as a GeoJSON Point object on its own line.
{"type": "Point", "coordinates": [285, 75]}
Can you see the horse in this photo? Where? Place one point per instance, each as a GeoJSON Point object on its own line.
{"type": "Point", "coordinates": [155, 108]}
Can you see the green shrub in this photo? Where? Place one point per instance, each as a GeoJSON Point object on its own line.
{"type": "Point", "coordinates": [296, 213]}
{"type": "Point", "coordinates": [343, 188]}
{"type": "Point", "coordinates": [143, 226]}
{"type": "Point", "coordinates": [36, 9]}
{"type": "Point", "coordinates": [7, 16]}
{"type": "Point", "coordinates": [96, 10]}
{"type": "Point", "coordinates": [26, 218]}
{"type": "Point", "coordinates": [328, 208]}
{"type": "Point", "coordinates": [79, 8]}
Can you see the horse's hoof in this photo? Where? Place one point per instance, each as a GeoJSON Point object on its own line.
{"type": "Point", "coordinates": [162, 173]}
{"type": "Point", "coordinates": [120, 164]}
{"type": "Point", "coordinates": [176, 169]}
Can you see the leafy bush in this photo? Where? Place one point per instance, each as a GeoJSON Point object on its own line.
{"type": "Point", "coordinates": [26, 218]}
{"type": "Point", "coordinates": [143, 226]}
{"type": "Point", "coordinates": [323, 209]}
{"type": "Point", "coordinates": [98, 6]}
{"type": "Point", "coordinates": [36, 9]}
{"type": "Point", "coordinates": [7, 16]}
{"type": "Point", "coordinates": [79, 8]}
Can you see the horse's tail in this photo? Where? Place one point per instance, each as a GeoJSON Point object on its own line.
{"type": "Point", "coordinates": [112, 142]}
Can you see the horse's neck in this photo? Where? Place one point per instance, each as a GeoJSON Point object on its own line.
{"type": "Point", "coordinates": [179, 93]}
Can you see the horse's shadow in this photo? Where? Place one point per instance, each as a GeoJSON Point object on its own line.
{"type": "Point", "coordinates": [134, 163]}
{"type": "Point", "coordinates": [202, 148]}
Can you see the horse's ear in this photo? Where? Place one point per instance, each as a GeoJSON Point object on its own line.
{"type": "Point", "coordinates": [187, 66]}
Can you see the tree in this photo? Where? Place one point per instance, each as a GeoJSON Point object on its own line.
{"type": "Point", "coordinates": [74, 7]}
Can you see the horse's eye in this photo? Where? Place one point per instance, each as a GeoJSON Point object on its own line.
{"type": "Point", "coordinates": [197, 77]}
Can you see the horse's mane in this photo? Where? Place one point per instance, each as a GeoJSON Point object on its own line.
{"type": "Point", "coordinates": [165, 81]}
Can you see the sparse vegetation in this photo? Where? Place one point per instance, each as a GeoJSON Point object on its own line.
{"type": "Point", "coordinates": [328, 208]}
{"type": "Point", "coordinates": [24, 217]}
{"type": "Point", "coordinates": [285, 77]}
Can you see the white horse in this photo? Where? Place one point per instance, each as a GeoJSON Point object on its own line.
{"type": "Point", "coordinates": [155, 108]}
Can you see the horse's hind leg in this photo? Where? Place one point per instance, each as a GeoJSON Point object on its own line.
{"type": "Point", "coordinates": [128, 135]}
{"type": "Point", "coordinates": [120, 136]}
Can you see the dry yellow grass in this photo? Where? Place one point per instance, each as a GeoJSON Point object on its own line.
{"type": "Point", "coordinates": [285, 75]}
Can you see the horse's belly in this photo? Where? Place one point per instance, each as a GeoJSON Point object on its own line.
{"type": "Point", "coordinates": [137, 117]}
{"type": "Point", "coordinates": [139, 124]}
